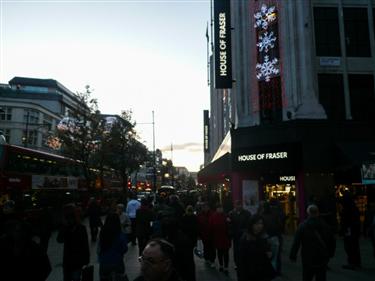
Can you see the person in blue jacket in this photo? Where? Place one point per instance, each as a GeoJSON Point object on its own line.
{"type": "Point", "coordinates": [112, 246]}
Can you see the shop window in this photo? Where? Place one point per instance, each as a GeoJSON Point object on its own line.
{"type": "Point", "coordinates": [285, 195]}
{"type": "Point", "coordinates": [5, 113]}
{"type": "Point", "coordinates": [331, 95]}
{"type": "Point", "coordinates": [327, 33]}
{"type": "Point", "coordinates": [357, 39]}
{"type": "Point", "coordinates": [362, 98]}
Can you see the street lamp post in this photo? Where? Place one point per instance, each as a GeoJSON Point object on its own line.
{"type": "Point", "coordinates": [154, 152]}
{"type": "Point", "coordinates": [153, 147]}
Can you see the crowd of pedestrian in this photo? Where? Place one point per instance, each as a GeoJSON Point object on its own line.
{"type": "Point", "coordinates": [169, 231]}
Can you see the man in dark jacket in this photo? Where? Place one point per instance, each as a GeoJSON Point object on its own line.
{"type": "Point", "coordinates": [144, 217]}
{"type": "Point", "coordinates": [317, 244]}
{"type": "Point", "coordinates": [351, 230]}
{"type": "Point", "coordinates": [94, 218]}
{"type": "Point", "coordinates": [239, 220]}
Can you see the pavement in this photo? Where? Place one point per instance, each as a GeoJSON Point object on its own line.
{"type": "Point", "coordinates": [290, 271]}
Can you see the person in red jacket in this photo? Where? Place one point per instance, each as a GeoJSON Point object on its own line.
{"type": "Point", "coordinates": [203, 218]}
{"type": "Point", "coordinates": [220, 233]}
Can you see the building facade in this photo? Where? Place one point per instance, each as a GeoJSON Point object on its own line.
{"type": "Point", "coordinates": [300, 110]}
{"type": "Point", "coordinates": [31, 108]}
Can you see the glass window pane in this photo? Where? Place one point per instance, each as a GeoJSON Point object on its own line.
{"type": "Point", "coordinates": [327, 33]}
{"type": "Point", "coordinates": [362, 98]}
{"type": "Point", "coordinates": [331, 95]}
{"type": "Point", "coordinates": [357, 39]}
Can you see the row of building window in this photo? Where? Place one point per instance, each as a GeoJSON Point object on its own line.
{"type": "Point", "coordinates": [362, 96]}
{"type": "Point", "coordinates": [356, 29]}
{"type": "Point", "coordinates": [30, 116]}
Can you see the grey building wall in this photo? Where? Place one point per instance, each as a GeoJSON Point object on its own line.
{"type": "Point", "coordinates": [300, 64]}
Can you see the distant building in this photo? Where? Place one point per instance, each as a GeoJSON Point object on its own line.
{"type": "Point", "coordinates": [182, 171]}
{"type": "Point", "coordinates": [30, 108]}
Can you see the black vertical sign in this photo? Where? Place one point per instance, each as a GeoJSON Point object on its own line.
{"type": "Point", "coordinates": [222, 40]}
{"type": "Point", "coordinates": [206, 131]}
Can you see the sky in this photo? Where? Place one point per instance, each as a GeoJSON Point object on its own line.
{"type": "Point", "coordinates": [136, 55]}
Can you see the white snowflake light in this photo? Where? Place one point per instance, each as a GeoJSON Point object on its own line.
{"type": "Point", "coordinates": [266, 69]}
{"type": "Point", "coordinates": [265, 16]}
{"type": "Point", "coordinates": [266, 41]}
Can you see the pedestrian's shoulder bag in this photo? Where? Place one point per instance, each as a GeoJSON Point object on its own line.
{"type": "Point", "coordinates": [321, 241]}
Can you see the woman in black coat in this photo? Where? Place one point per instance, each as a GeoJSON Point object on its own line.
{"type": "Point", "coordinates": [255, 253]}
{"type": "Point", "coordinates": [76, 245]}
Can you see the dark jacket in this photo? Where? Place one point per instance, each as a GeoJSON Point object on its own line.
{"type": "Point", "coordinates": [144, 218]}
{"type": "Point", "coordinates": [94, 215]}
{"type": "Point", "coordinates": [189, 226]}
{"type": "Point", "coordinates": [238, 223]}
{"type": "Point", "coordinates": [112, 260]}
{"type": "Point", "coordinates": [115, 254]}
{"type": "Point", "coordinates": [76, 246]}
{"type": "Point", "coordinates": [173, 277]}
{"type": "Point", "coordinates": [254, 263]}
{"type": "Point", "coordinates": [317, 243]}
{"type": "Point", "coordinates": [22, 258]}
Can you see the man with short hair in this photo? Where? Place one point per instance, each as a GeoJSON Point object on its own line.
{"type": "Point", "coordinates": [131, 210]}
{"type": "Point", "coordinates": [317, 244]}
{"type": "Point", "coordinates": [157, 262]}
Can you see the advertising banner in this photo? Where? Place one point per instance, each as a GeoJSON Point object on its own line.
{"type": "Point", "coordinates": [206, 131]}
{"type": "Point", "coordinates": [222, 45]}
{"type": "Point", "coordinates": [53, 182]}
{"type": "Point", "coordinates": [368, 173]}
{"type": "Point", "coordinates": [250, 195]}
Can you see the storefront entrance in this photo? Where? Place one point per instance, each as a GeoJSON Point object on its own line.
{"type": "Point", "coordinates": [285, 194]}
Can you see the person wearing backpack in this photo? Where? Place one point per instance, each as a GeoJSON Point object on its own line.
{"type": "Point", "coordinates": [317, 244]}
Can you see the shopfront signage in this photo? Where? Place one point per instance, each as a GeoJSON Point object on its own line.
{"type": "Point", "coordinates": [263, 156]}
{"type": "Point", "coordinates": [223, 52]}
{"type": "Point", "coordinates": [330, 61]}
{"type": "Point", "coordinates": [14, 180]}
{"type": "Point", "coordinates": [287, 178]}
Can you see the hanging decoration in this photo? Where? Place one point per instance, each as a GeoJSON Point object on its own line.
{"type": "Point", "coordinates": [265, 16]}
{"type": "Point", "coordinates": [267, 66]}
{"type": "Point", "coordinates": [266, 42]}
{"type": "Point", "coordinates": [263, 19]}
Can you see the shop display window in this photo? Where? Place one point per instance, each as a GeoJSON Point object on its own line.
{"type": "Point", "coordinates": [286, 195]}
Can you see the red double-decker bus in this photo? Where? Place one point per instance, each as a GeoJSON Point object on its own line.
{"type": "Point", "coordinates": [26, 173]}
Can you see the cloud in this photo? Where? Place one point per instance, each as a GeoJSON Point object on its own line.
{"type": "Point", "coordinates": [189, 146]}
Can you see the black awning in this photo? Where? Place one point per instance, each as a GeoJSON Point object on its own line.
{"type": "Point", "coordinates": [356, 153]}
{"type": "Point", "coordinates": [217, 170]}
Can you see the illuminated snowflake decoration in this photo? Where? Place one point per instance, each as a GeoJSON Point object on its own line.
{"type": "Point", "coordinates": [265, 16]}
{"type": "Point", "coordinates": [266, 41]}
{"type": "Point", "coordinates": [266, 69]}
